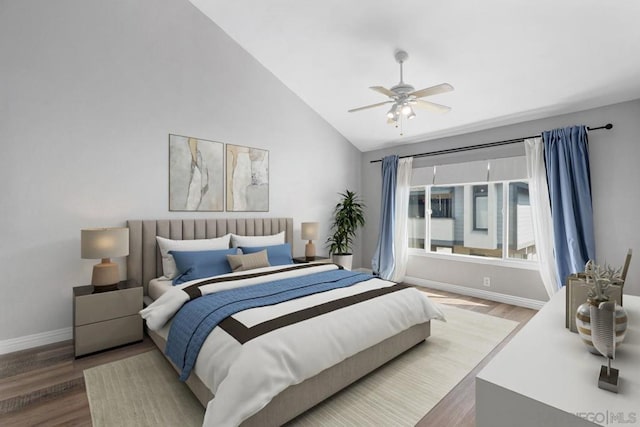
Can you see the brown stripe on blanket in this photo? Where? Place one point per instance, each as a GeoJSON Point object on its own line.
{"type": "Point", "coordinates": [194, 290]}
{"type": "Point", "coordinates": [242, 333]}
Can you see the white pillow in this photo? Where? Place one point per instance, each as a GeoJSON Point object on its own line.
{"type": "Point", "coordinates": [253, 241]}
{"type": "Point", "coordinates": [168, 263]}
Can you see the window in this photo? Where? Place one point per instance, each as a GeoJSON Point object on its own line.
{"type": "Point", "coordinates": [481, 207]}
{"type": "Point", "coordinates": [417, 223]}
{"type": "Point", "coordinates": [416, 204]}
{"type": "Point", "coordinates": [473, 220]}
{"type": "Point", "coordinates": [521, 240]}
{"type": "Point", "coordinates": [441, 202]}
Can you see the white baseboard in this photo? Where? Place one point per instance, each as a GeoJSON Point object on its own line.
{"type": "Point", "coordinates": [478, 293]}
{"type": "Point", "coordinates": [35, 340]}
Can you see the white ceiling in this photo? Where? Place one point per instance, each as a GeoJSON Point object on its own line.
{"type": "Point", "coordinates": [509, 61]}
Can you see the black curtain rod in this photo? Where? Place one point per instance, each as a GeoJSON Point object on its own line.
{"type": "Point", "coordinates": [485, 145]}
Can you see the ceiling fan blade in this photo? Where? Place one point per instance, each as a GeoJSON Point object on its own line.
{"type": "Point", "coordinates": [383, 90]}
{"type": "Point", "coordinates": [431, 106]}
{"type": "Point", "coordinates": [433, 90]}
{"type": "Point", "coordinates": [353, 110]}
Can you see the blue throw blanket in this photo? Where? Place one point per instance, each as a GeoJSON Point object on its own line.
{"type": "Point", "coordinates": [197, 318]}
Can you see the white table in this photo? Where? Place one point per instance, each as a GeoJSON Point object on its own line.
{"type": "Point", "coordinates": [545, 376]}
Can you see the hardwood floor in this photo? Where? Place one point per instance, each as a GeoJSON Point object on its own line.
{"type": "Point", "coordinates": [457, 408]}
{"type": "Point", "coordinates": [45, 386]}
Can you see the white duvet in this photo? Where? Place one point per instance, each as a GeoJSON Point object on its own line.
{"type": "Point", "coordinates": [245, 377]}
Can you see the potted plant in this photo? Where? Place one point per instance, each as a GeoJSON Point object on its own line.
{"type": "Point", "coordinates": [600, 279]}
{"type": "Point", "coordinates": [348, 215]}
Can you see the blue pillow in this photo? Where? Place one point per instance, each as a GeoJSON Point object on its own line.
{"type": "Point", "coordinates": [277, 254]}
{"type": "Point", "coordinates": [193, 265]}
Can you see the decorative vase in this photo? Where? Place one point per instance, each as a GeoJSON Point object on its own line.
{"type": "Point", "coordinates": [583, 323]}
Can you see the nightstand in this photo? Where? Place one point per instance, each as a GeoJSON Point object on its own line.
{"type": "Point", "coordinates": [316, 259]}
{"type": "Point", "coordinates": [106, 319]}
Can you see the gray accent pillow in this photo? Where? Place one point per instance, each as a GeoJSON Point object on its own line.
{"type": "Point", "coordinates": [248, 261]}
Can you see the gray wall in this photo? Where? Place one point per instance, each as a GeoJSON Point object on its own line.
{"type": "Point", "coordinates": [89, 91]}
{"type": "Point", "coordinates": [614, 172]}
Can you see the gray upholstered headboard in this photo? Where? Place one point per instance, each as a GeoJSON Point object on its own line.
{"type": "Point", "coordinates": [144, 262]}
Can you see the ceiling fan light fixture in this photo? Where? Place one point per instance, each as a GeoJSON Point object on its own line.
{"type": "Point", "coordinates": [403, 97]}
{"type": "Point", "coordinates": [393, 111]}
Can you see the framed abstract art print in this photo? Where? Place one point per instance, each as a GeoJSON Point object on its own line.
{"type": "Point", "coordinates": [247, 179]}
{"type": "Point", "coordinates": [196, 174]}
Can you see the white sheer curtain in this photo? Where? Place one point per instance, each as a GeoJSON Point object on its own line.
{"type": "Point", "coordinates": [541, 210]}
{"type": "Point", "coordinates": [401, 237]}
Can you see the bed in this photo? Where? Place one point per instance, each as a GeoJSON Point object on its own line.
{"type": "Point", "coordinates": [144, 264]}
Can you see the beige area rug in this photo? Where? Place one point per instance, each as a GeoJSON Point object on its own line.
{"type": "Point", "coordinates": [144, 390]}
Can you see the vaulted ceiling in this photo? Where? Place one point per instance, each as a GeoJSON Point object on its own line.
{"type": "Point", "coordinates": [509, 61]}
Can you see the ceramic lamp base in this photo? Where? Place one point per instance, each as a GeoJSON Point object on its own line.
{"type": "Point", "coordinates": [310, 250]}
{"type": "Point", "coordinates": [105, 274]}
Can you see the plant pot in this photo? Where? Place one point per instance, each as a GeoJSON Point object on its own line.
{"type": "Point", "coordinates": [583, 323]}
{"type": "Point", "coordinates": [345, 260]}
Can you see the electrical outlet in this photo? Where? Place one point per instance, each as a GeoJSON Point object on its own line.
{"type": "Point", "coordinates": [486, 282]}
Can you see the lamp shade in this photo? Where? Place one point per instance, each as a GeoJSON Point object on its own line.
{"type": "Point", "coordinates": [309, 230]}
{"type": "Point", "coordinates": [100, 243]}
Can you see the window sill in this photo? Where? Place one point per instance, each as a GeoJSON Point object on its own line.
{"type": "Point", "coordinates": [522, 265]}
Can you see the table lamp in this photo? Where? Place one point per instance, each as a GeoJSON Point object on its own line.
{"type": "Point", "coordinates": [104, 243]}
{"type": "Point", "coordinates": [310, 232]}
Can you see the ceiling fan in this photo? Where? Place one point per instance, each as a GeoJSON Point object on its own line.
{"type": "Point", "coordinates": [404, 96]}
